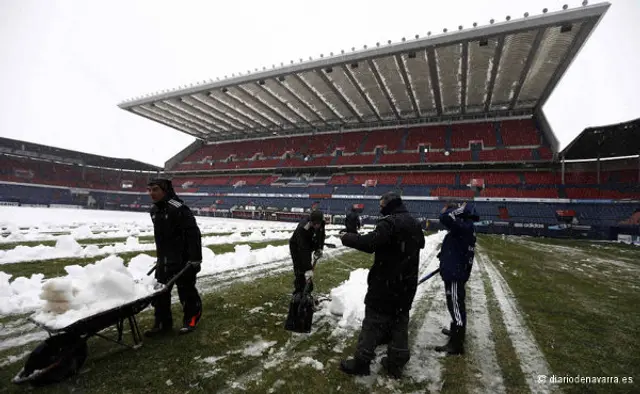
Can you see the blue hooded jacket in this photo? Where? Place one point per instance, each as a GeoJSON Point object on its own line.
{"type": "Point", "coordinates": [458, 247]}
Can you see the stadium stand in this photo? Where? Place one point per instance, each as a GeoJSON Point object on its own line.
{"type": "Point", "coordinates": [344, 129]}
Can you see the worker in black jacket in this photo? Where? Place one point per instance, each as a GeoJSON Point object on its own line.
{"type": "Point", "coordinates": [392, 282]}
{"type": "Point", "coordinates": [352, 221]}
{"type": "Point", "coordinates": [306, 240]}
{"type": "Point", "coordinates": [456, 261]}
{"type": "Point", "coordinates": [178, 243]}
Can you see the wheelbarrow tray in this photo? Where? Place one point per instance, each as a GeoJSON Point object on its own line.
{"type": "Point", "coordinates": [69, 342]}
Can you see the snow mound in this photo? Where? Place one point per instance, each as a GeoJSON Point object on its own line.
{"type": "Point", "coordinates": [347, 300]}
{"type": "Point", "coordinates": [312, 362]}
{"type": "Point", "coordinates": [91, 289]}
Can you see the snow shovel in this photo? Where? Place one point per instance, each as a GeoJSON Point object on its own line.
{"type": "Point", "coordinates": [301, 308]}
{"type": "Point", "coordinates": [428, 276]}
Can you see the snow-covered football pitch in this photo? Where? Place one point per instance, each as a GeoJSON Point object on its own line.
{"type": "Point", "coordinates": [544, 315]}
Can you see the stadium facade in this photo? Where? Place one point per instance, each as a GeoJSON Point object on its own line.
{"type": "Point", "coordinates": [428, 116]}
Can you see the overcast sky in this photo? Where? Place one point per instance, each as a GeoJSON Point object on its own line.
{"type": "Point", "coordinates": [66, 64]}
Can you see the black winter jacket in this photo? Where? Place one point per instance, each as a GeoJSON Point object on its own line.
{"type": "Point", "coordinates": [393, 278]}
{"type": "Point", "coordinates": [303, 243]}
{"type": "Point", "coordinates": [177, 236]}
{"type": "Point", "coordinates": [352, 222]}
{"type": "Point", "coordinates": [458, 247]}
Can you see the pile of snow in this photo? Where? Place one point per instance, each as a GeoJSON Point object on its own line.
{"type": "Point", "coordinates": [91, 289]}
{"type": "Point", "coordinates": [306, 360]}
{"type": "Point", "coordinates": [347, 300]}
{"type": "Point", "coordinates": [67, 247]}
{"type": "Point", "coordinates": [22, 295]}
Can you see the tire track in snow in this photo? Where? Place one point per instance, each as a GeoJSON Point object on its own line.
{"type": "Point", "coordinates": [532, 361]}
{"type": "Point", "coordinates": [481, 344]}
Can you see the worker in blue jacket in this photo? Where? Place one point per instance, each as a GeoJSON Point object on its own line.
{"type": "Point", "coordinates": [456, 260]}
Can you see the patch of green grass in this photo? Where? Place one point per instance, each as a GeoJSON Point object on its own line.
{"type": "Point", "coordinates": [93, 241]}
{"type": "Point", "coordinates": [584, 317]}
{"type": "Point", "coordinates": [508, 361]}
{"type": "Point", "coordinates": [228, 325]}
{"type": "Point", "coordinates": [55, 267]}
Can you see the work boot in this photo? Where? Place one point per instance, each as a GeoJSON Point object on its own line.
{"type": "Point", "coordinates": [355, 366]}
{"type": "Point", "coordinates": [447, 331]}
{"type": "Point", "coordinates": [158, 329]}
{"type": "Point", "coordinates": [392, 369]}
{"type": "Point", "coordinates": [190, 324]}
{"type": "Point", "coordinates": [455, 344]}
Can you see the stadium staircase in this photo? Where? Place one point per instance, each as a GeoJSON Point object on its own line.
{"type": "Point", "coordinates": [403, 141]}
{"type": "Point", "coordinates": [500, 143]}
{"type": "Point", "coordinates": [335, 158]}
{"type": "Point", "coordinates": [423, 156]}
{"type": "Point", "coordinates": [363, 143]}
{"type": "Point", "coordinates": [379, 153]}
{"type": "Point", "coordinates": [522, 178]}
{"type": "Point", "coordinates": [447, 140]}
{"type": "Point", "coordinates": [535, 154]}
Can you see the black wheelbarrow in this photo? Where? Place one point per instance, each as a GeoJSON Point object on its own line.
{"type": "Point", "coordinates": [62, 354]}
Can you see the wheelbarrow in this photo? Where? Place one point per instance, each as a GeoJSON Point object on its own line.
{"type": "Point", "coordinates": [62, 354]}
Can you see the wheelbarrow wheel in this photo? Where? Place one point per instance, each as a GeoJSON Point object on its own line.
{"type": "Point", "coordinates": [55, 360]}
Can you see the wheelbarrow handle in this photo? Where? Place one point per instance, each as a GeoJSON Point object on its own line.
{"type": "Point", "coordinates": [175, 278]}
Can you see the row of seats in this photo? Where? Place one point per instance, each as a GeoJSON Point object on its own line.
{"type": "Point", "coordinates": [494, 135]}
{"type": "Point", "coordinates": [459, 156]}
{"type": "Point", "coordinates": [592, 214]}
{"type": "Point", "coordinates": [24, 170]}
{"type": "Point", "coordinates": [491, 178]}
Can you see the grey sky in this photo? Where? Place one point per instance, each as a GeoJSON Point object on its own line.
{"type": "Point", "coordinates": [66, 64]}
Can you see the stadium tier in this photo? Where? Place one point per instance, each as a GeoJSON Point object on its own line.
{"type": "Point", "coordinates": [486, 142]}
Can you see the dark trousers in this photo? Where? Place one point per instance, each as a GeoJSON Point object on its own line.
{"type": "Point", "coordinates": [300, 282]}
{"type": "Point", "coordinates": [189, 298]}
{"type": "Point", "coordinates": [455, 302]}
{"type": "Point", "coordinates": [378, 326]}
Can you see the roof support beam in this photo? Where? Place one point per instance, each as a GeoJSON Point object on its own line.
{"type": "Point", "coordinates": [266, 108]}
{"type": "Point", "coordinates": [407, 84]}
{"type": "Point", "coordinates": [494, 72]}
{"type": "Point", "coordinates": [166, 122]}
{"type": "Point", "coordinates": [355, 83]}
{"type": "Point", "coordinates": [304, 103]}
{"type": "Point", "coordinates": [176, 110]}
{"type": "Point", "coordinates": [185, 118]}
{"type": "Point", "coordinates": [196, 105]}
{"type": "Point", "coordinates": [464, 77]}
{"type": "Point", "coordinates": [284, 104]}
{"type": "Point", "coordinates": [320, 98]}
{"type": "Point", "coordinates": [527, 66]}
{"type": "Point", "coordinates": [435, 79]}
{"type": "Point", "coordinates": [163, 114]}
{"type": "Point", "coordinates": [585, 29]}
{"type": "Point", "coordinates": [335, 91]}
{"type": "Point", "coordinates": [250, 111]}
{"type": "Point", "coordinates": [208, 101]}
{"type": "Point", "coordinates": [383, 87]}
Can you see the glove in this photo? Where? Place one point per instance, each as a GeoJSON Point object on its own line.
{"type": "Point", "coordinates": [195, 265]}
{"type": "Point", "coordinates": [318, 253]}
{"type": "Point", "coordinates": [308, 274]}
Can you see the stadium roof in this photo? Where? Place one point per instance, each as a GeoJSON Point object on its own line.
{"type": "Point", "coordinates": [617, 140]}
{"type": "Point", "coordinates": [45, 152]}
{"type": "Point", "coordinates": [503, 69]}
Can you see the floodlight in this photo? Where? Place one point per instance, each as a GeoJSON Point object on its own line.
{"type": "Point", "coordinates": [526, 14]}
{"type": "Point", "coordinates": [508, 18]}
{"type": "Point", "coordinates": [475, 24]}
{"type": "Point", "coordinates": [564, 7]}
{"type": "Point", "coordinates": [460, 27]}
